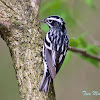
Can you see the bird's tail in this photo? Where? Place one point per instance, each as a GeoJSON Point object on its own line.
{"type": "Point", "coordinates": [44, 86]}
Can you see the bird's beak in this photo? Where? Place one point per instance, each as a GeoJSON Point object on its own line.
{"type": "Point", "coordinates": [43, 20]}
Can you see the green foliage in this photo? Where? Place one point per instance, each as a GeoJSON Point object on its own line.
{"type": "Point", "coordinates": [83, 43]}
{"type": "Point", "coordinates": [62, 8]}
{"type": "Point", "coordinates": [95, 49]}
{"type": "Point", "coordinates": [73, 42]}
{"type": "Point", "coordinates": [92, 61]}
{"type": "Point", "coordinates": [90, 3]}
{"type": "Point", "coordinates": [78, 42]}
{"type": "Point", "coordinates": [90, 48]}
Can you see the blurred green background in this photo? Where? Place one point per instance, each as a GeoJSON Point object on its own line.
{"type": "Point", "coordinates": [77, 74]}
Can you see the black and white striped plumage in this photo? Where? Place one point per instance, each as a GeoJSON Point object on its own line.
{"type": "Point", "coordinates": [54, 49]}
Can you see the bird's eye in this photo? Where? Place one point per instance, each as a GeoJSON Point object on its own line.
{"type": "Point", "coordinates": [50, 21]}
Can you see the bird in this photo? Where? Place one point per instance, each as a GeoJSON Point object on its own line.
{"type": "Point", "coordinates": [54, 49]}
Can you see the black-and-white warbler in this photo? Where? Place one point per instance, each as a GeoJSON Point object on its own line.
{"type": "Point", "coordinates": [54, 49]}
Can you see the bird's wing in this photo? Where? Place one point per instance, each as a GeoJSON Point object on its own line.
{"type": "Point", "coordinates": [50, 62]}
{"type": "Point", "coordinates": [54, 60]}
{"type": "Point", "coordinates": [54, 53]}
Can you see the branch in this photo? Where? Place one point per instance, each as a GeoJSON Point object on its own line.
{"type": "Point", "coordinates": [83, 53]}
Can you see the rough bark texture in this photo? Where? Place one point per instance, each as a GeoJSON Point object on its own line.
{"type": "Point", "coordinates": [20, 29]}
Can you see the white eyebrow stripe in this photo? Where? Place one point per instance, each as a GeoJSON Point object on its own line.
{"type": "Point", "coordinates": [58, 20]}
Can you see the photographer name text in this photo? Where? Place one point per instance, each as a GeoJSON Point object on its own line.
{"type": "Point", "coordinates": [95, 93]}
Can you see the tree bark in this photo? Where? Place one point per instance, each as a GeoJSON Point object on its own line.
{"type": "Point", "coordinates": [20, 29]}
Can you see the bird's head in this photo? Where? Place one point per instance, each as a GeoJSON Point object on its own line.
{"type": "Point", "coordinates": [54, 21]}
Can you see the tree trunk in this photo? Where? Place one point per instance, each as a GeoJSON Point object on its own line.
{"type": "Point", "coordinates": [20, 29]}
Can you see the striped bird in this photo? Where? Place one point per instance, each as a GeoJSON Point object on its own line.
{"type": "Point", "coordinates": [54, 49]}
